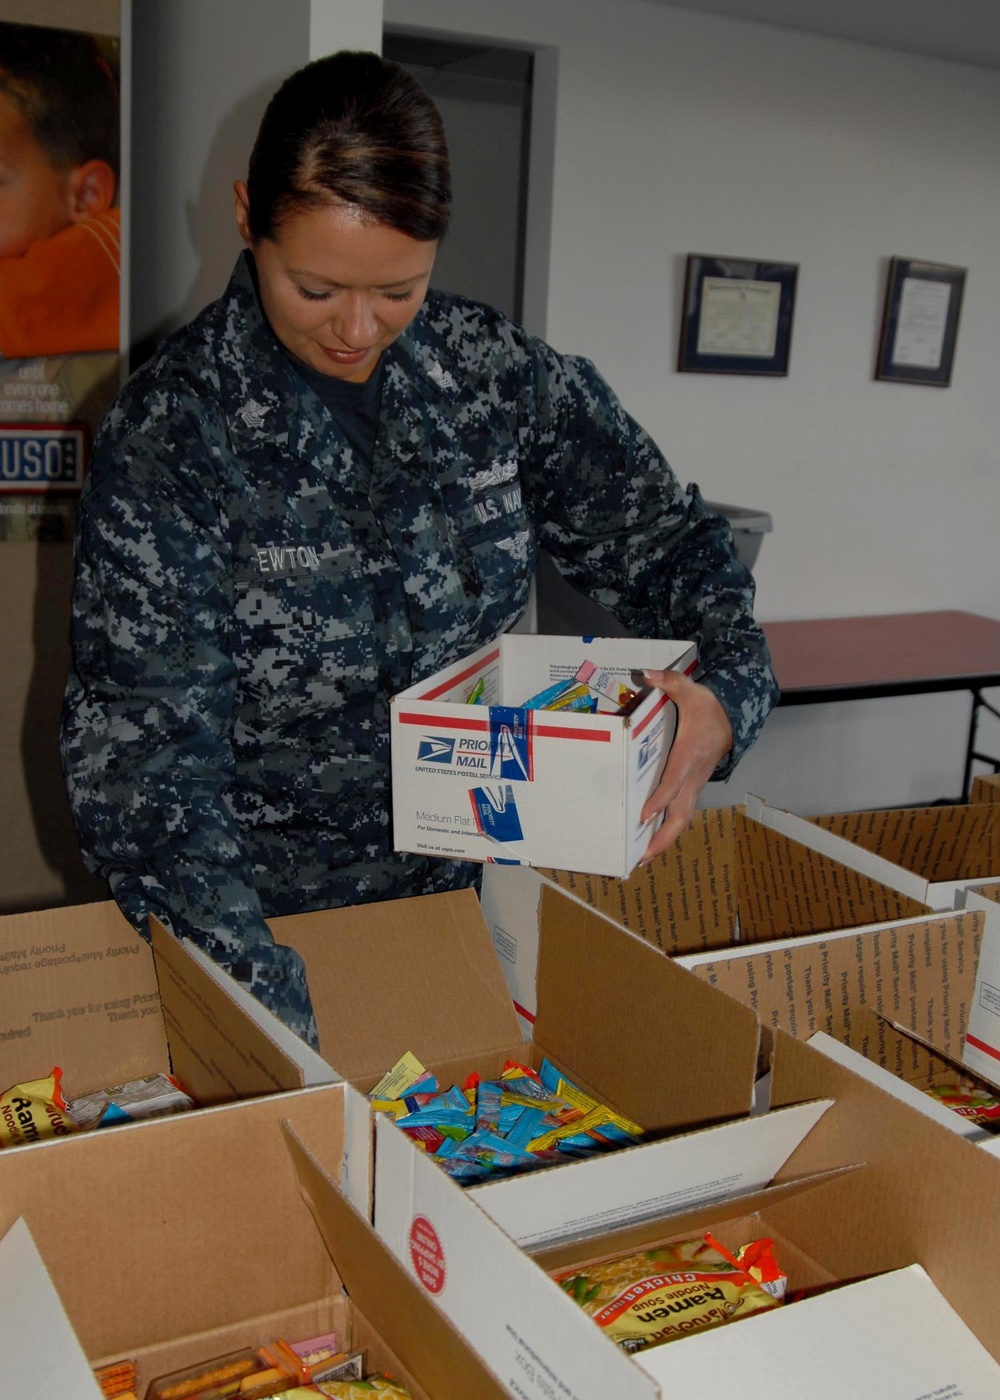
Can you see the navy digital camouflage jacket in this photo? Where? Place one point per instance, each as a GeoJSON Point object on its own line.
{"type": "Point", "coordinates": [248, 596]}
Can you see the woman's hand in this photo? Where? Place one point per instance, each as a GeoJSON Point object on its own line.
{"type": "Point", "coordinates": [704, 736]}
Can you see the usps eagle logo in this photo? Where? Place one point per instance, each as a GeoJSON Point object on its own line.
{"type": "Point", "coordinates": [433, 750]}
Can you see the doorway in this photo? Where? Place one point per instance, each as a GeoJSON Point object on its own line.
{"type": "Point", "coordinates": [484, 95]}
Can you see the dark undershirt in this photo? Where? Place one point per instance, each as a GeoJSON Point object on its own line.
{"type": "Point", "coordinates": [355, 407]}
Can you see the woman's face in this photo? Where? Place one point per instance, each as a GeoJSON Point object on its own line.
{"type": "Point", "coordinates": [337, 287]}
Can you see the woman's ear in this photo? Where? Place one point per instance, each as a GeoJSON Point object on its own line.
{"type": "Point", "coordinates": [91, 190]}
{"type": "Point", "coordinates": [241, 203]}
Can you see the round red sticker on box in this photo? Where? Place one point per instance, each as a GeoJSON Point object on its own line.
{"type": "Point", "coordinates": [427, 1254]}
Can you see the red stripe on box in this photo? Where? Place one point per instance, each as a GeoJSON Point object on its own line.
{"type": "Point", "coordinates": [981, 1045]}
{"type": "Point", "coordinates": [523, 1011]}
{"type": "Point", "coordinates": [472, 670]}
{"type": "Point", "coordinates": [650, 717]}
{"type": "Point", "coordinates": [599, 736]}
{"type": "Point", "coordinates": [437, 722]}
{"type": "Point", "coordinates": [482, 725]}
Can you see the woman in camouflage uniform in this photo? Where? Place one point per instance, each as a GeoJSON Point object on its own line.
{"type": "Point", "coordinates": [329, 485]}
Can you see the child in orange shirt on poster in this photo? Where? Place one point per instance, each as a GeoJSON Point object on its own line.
{"type": "Point", "coordinates": [60, 244]}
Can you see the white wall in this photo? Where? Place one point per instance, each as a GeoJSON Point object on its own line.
{"type": "Point", "coordinates": [678, 132]}
{"type": "Point", "coordinates": [203, 73]}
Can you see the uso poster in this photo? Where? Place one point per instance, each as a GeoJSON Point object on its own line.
{"type": "Point", "coordinates": [60, 268]}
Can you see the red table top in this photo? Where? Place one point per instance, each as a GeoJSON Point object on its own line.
{"type": "Point", "coordinates": [890, 649]}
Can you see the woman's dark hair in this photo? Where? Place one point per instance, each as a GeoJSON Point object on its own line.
{"type": "Point", "coordinates": [351, 128]}
{"type": "Point", "coordinates": [66, 91]}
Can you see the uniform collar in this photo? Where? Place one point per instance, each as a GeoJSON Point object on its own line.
{"type": "Point", "coordinates": [268, 403]}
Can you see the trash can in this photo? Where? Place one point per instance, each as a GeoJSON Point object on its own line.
{"type": "Point", "coordinates": [557, 609]}
{"type": "Point", "coordinates": [748, 527]}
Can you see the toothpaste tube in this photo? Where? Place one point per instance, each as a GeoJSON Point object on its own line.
{"type": "Point", "coordinates": [604, 683]}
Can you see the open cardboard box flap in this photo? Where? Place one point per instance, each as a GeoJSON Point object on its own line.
{"type": "Point", "coordinates": [930, 1188]}
{"type": "Point", "coordinates": [443, 1362]}
{"type": "Point", "coordinates": [416, 975]}
{"type": "Point", "coordinates": [728, 881]}
{"type": "Point", "coordinates": [729, 872]}
{"type": "Point", "coordinates": [41, 1353]}
{"type": "Point", "coordinates": [82, 991]}
{"type": "Point", "coordinates": [927, 854]}
{"type": "Point", "coordinates": [621, 1016]}
{"type": "Point", "coordinates": [921, 973]}
{"type": "Point", "coordinates": [78, 983]}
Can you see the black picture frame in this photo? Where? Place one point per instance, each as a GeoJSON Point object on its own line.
{"type": "Point", "coordinates": [737, 315]}
{"type": "Point", "coordinates": [923, 303]}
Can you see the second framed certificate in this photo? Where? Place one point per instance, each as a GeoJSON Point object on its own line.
{"type": "Point", "coordinates": [737, 315]}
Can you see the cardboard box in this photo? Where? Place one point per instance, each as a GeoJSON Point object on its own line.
{"type": "Point", "coordinates": [920, 973]}
{"type": "Point", "coordinates": [203, 1234]}
{"type": "Point", "coordinates": [624, 1023]}
{"type": "Point", "coordinates": [903, 1065]}
{"type": "Point", "coordinates": [933, 1194]}
{"type": "Point", "coordinates": [927, 853]}
{"type": "Point", "coordinates": [986, 788]}
{"type": "Point", "coordinates": [833, 1226]}
{"type": "Point", "coordinates": [982, 1046]}
{"type": "Point", "coordinates": [494, 781]}
{"type": "Point", "coordinates": [80, 989]}
{"type": "Point", "coordinates": [728, 880]}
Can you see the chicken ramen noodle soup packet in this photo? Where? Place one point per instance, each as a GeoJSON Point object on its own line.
{"type": "Point", "coordinates": [34, 1110]}
{"type": "Point", "coordinates": [642, 1300]}
{"type": "Point", "coordinates": [977, 1105]}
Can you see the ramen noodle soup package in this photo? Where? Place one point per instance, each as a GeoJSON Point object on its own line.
{"type": "Point", "coordinates": [34, 1110]}
{"type": "Point", "coordinates": [978, 1105]}
{"type": "Point", "coordinates": [642, 1300]}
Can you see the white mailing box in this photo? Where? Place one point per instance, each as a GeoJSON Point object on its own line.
{"type": "Point", "coordinates": [493, 781]}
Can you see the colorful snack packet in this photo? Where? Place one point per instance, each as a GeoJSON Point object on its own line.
{"type": "Point", "coordinates": [150, 1097]}
{"type": "Point", "coordinates": [642, 1300]}
{"type": "Point", "coordinates": [578, 697]}
{"type": "Point", "coordinates": [363, 1390]}
{"type": "Point", "coordinates": [978, 1105]}
{"type": "Point", "coordinates": [405, 1073]}
{"type": "Point", "coordinates": [544, 698]}
{"type": "Point", "coordinates": [34, 1110]}
{"type": "Point", "coordinates": [476, 693]}
{"type": "Point", "coordinates": [117, 1379]}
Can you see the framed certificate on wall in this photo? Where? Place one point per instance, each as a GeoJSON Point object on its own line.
{"type": "Point", "coordinates": [737, 315]}
{"type": "Point", "coordinates": [923, 301]}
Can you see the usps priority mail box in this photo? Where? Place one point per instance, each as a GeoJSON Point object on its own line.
{"type": "Point", "coordinates": [489, 780]}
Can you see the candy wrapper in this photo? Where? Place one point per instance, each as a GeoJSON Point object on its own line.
{"type": "Point", "coordinates": [490, 1127]}
{"type": "Point", "coordinates": [642, 1300]}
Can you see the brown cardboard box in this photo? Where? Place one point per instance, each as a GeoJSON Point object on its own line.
{"type": "Point", "coordinates": [932, 1194]}
{"type": "Point", "coordinates": [986, 788]}
{"type": "Point", "coordinates": [209, 1232]}
{"type": "Point", "coordinates": [903, 1064]}
{"type": "Point", "coordinates": [840, 1225]}
{"type": "Point", "coordinates": [421, 975]}
{"type": "Point", "coordinates": [921, 973]}
{"type": "Point", "coordinates": [728, 879]}
{"type": "Point", "coordinates": [79, 989]}
{"type": "Point", "coordinates": [927, 853]}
